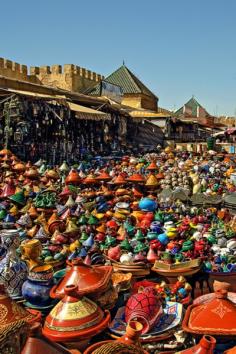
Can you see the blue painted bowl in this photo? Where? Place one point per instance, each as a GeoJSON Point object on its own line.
{"type": "Point", "coordinates": [147, 204]}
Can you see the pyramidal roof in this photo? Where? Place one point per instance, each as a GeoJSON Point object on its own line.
{"type": "Point", "coordinates": [128, 82]}
{"type": "Point", "coordinates": [191, 107]}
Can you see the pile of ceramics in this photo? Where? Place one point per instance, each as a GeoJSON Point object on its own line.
{"type": "Point", "coordinates": [111, 246]}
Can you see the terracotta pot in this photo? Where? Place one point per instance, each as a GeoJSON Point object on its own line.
{"type": "Point", "coordinates": [74, 318]}
{"type": "Point", "coordinates": [131, 338]}
{"type": "Point", "coordinates": [205, 346]}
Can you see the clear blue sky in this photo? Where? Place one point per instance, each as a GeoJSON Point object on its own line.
{"type": "Point", "coordinates": [178, 48]}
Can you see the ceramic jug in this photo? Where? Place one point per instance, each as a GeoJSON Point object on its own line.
{"type": "Point", "coordinates": [13, 271]}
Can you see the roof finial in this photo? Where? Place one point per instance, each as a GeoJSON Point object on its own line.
{"type": "Point", "coordinates": [123, 62]}
{"type": "Point", "coordinates": [193, 96]}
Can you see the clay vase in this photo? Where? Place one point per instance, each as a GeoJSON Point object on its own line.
{"type": "Point", "coordinates": [205, 346]}
{"type": "Point", "coordinates": [13, 271]}
{"type": "Point", "coordinates": [144, 307]}
{"type": "Point", "coordinates": [114, 253]}
{"type": "Point", "coordinates": [151, 256]}
{"type": "Point", "coordinates": [132, 334]}
{"type": "Point", "coordinates": [130, 341]}
{"type": "Point", "coordinates": [36, 289]}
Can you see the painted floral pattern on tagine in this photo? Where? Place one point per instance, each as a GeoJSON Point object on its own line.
{"type": "Point", "coordinates": [73, 311]}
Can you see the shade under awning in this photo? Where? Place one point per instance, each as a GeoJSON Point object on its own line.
{"type": "Point", "coordinates": [87, 113]}
{"type": "Point", "coordinates": [36, 94]}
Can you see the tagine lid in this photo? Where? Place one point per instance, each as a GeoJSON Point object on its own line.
{"type": "Point", "coordinates": [90, 179]}
{"type": "Point", "coordinates": [74, 317]}
{"type": "Point", "coordinates": [11, 312]}
{"type": "Point", "coordinates": [152, 166]}
{"type": "Point", "coordinates": [136, 178]}
{"type": "Point", "coordinates": [119, 180]}
{"type": "Point", "coordinates": [89, 279]}
{"type": "Point", "coordinates": [103, 176]}
{"type": "Point", "coordinates": [151, 181]}
{"type": "Point", "coordinates": [217, 317]}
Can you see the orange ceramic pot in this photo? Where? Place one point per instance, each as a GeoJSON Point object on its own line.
{"type": "Point", "coordinates": [205, 346]}
{"type": "Point", "coordinates": [131, 338]}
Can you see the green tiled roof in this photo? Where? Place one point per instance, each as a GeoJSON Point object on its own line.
{"type": "Point", "coordinates": [124, 78]}
{"type": "Point", "coordinates": [192, 105]}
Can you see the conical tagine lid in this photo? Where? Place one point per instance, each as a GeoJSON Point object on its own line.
{"type": "Point", "coordinates": [217, 317]}
{"type": "Point", "coordinates": [74, 317]}
{"type": "Point", "coordinates": [89, 279]}
{"type": "Point", "coordinates": [136, 178]}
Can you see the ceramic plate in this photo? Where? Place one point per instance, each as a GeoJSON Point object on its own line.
{"type": "Point", "coordinates": [171, 318]}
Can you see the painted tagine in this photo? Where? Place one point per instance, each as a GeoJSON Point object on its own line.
{"type": "Point", "coordinates": [216, 317]}
{"type": "Point", "coordinates": [75, 318]}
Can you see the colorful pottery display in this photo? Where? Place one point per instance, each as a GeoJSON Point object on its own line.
{"type": "Point", "coordinates": [171, 318]}
{"type": "Point", "coordinates": [120, 234]}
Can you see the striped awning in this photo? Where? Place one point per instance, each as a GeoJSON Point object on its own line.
{"type": "Point", "coordinates": [148, 114]}
{"type": "Point", "coordinates": [82, 112]}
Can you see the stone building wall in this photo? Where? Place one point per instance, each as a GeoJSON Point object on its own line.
{"type": "Point", "coordinates": [69, 77]}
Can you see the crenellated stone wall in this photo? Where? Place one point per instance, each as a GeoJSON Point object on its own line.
{"type": "Point", "coordinates": [69, 77]}
{"type": "Point", "coordinates": [14, 70]}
